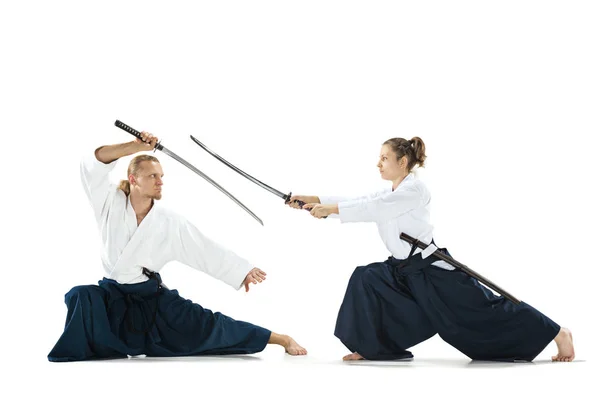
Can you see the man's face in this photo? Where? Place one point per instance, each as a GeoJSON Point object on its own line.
{"type": "Point", "coordinates": [149, 180]}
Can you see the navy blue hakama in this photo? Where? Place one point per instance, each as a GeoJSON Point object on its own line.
{"type": "Point", "coordinates": [393, 305]}
{"type": "Point", "coordinates": [115, 320]}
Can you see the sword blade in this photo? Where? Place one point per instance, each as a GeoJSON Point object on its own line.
{"type": "Point", "coordinates": [239, 171]}
{"type": "Point", "coordinates": [212, 182]}
{"type": "Point", "coordinates": [168, 152]}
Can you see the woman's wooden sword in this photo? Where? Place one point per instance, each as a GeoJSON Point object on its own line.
{"type": "Point", "coordinates": [168, 152]}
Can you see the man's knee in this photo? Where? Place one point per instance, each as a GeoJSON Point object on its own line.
{"type": "Point", "coordinates": [82, 291]}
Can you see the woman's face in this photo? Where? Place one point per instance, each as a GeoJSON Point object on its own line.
{"type": "Point", "coordinates": [389, 166]}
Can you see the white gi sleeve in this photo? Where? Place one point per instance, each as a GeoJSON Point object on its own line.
{"type": "Point", "coordinates": [351, 200]}
{"type": "Point", "coordinates": [96, 182]}
{"type": "Point", "coordinates": [199, 252]}
{"type": "Point", "coordinates": [384, 206]}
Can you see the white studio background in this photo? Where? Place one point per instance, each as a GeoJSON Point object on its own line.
{"type": "Point", "coordinates": [301, 95]}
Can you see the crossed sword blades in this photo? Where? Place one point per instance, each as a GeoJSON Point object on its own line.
{"type": "Point", "coordinates": [168, 152]}
{"type": "Point", "coordinates": [403, 236]}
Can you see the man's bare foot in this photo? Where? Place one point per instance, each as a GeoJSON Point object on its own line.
{"type": "Point", "coordinates": [564, 342]}
{"type": "Point", "coordinates": [289, 344]}
{"type": "Point", "coordinates": [353, 357]}
{"type": "Point", "coordinates": [293, 348]}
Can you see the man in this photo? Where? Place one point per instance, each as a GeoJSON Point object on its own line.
{"type": "Point", "coordinates": [130, 311]}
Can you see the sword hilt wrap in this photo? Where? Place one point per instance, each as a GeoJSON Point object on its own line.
{"type": "Point", "coordinates": [135, 133]}
{"type": "Point", "coordinates": [300, 202]}
{"type": "Point", "coordinates": [289, 196]}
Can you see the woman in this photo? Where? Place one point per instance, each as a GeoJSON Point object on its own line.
{"type": "Point", "coordinates": [393, 305]}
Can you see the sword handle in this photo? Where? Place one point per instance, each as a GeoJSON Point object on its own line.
{"type": "Point", "coordinates": [300, 202]}
{"type": "Point", "coordinates": [135, 133]}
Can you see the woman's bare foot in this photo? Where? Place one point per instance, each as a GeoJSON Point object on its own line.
{"type": "Point", "coordinates": [289, 344]}
{"type": "Point", "coordinates": [564, 342]}
{"type": "Point", "coordinates": [353, 357]}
